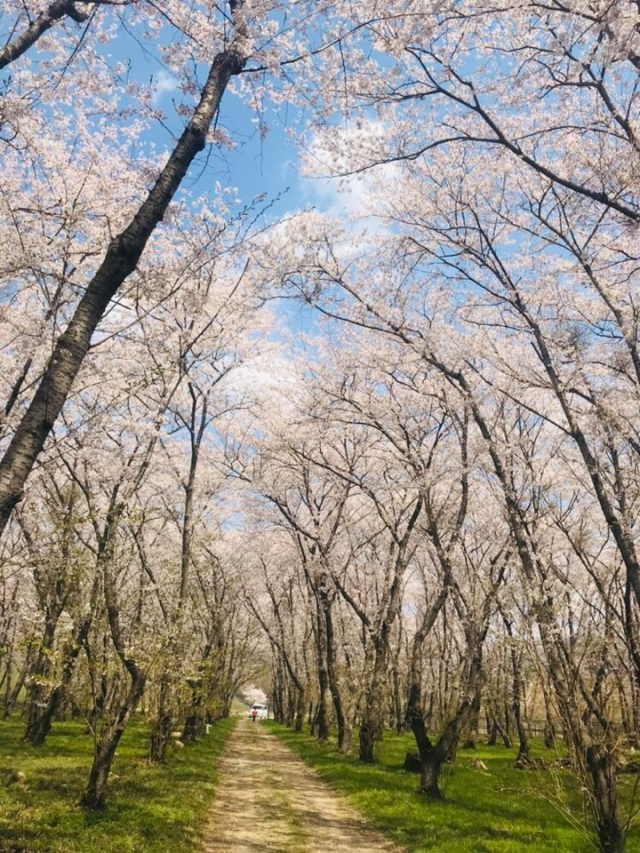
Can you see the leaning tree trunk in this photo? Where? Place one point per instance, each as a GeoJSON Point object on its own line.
{"type": "Point", "coordinates": [431, 764]}
{"type": "Point", "coordinates": [95, 795]}
{"type": "Point", "coordinates": [56, 11]}
{"type": "Point", "coordinates": [106, 745]}
{"type": "Point", "coordinates": [432, 761]}
{"type": "Point", "coordinates": [599, 758]}
{"type": "Point", "coordinates": [41, 726]}
{"type": "Point", "coordinates": [120, 261]}
{"type": "Point", "coordinates": [415, 716]}
{"type": "Point", "coordinates": [12, 693]}
{"type": "Point", "coordinates": [602, 771]}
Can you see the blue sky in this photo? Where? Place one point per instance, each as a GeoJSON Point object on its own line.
{"type": "Point", "coordinates": [254, 166]}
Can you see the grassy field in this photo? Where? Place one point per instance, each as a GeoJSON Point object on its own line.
{"type": "Point", "coordinates": [149, 810]}
{"type": "Point", "coordinates": [501, 811]}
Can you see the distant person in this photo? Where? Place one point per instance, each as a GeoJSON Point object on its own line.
{"type": "Point", "coordinates": [254, 714]}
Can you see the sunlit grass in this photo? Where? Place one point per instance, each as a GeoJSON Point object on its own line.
{"type": "Point", "coordinates": [149, 809]}
{"type": "Point", "coordinates": [501, 811]}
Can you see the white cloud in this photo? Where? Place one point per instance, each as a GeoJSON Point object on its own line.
{"type": "Point", "coordinates": [163, 83]}
{"type": "Point", "coordinates": [326, 184]}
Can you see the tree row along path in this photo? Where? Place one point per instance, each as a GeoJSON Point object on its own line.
{"type": "Point", "coordinates": [268, 801]}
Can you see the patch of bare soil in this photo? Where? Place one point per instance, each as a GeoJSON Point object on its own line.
{"type": "Point", "coordinates": [268, 801]}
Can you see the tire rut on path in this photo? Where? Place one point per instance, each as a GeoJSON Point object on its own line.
{"type": "Point", "coordinates": [269, 801]}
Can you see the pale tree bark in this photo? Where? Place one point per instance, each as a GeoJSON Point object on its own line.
{"type": "Point", "coordinates": [13, 691]}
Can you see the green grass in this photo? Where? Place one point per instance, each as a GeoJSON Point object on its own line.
{"type": "Point", "coordinates": [501, 811]}
{"type": "Point", "coordinates": [239, 708]}
{"type": "Point", "coordinates": [149, 809]}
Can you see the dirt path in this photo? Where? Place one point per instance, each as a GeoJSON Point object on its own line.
{"type": "Point", "coordinates": [268, 801]}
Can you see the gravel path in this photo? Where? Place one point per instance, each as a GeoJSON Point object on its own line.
{"type": "Point", "coordinates": [268, 801]}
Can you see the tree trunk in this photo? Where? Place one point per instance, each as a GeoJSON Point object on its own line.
{"type": "Point", "coordinates": [549, 733]}
{"type": "Point", "coordinates": [344, 729]}
{"type": "Point", "coordinates": [345, 737]}
{"type": "Point", "coordinates": [321, 722]}
{"type": "Point", "coordinates": [11, 695]}
{"type": "Point", "coordinates": [39, 690]}
{"type": "Point", "coordinates": [371, 722]}
{"type": "Point", "coordinates": [193, 724]}
{"type": "Point", "coordinates": [7, 686]}
{"type": "Point", "coordinates": [95, 795]}
{"type": "Point", "coordinates": [472, 729]}
{"type": "Point", "coordinates": [435, 757]}
{"type": "Point", "coordinates": [163, 726]}
{"type": "Point", "coordinates": [432, 758]}
{"type": "Point", "coordinates": [549, 726]}
{"type": "Point", "coordinates": [430, 775]}
{"type": "Point", "coordinates": [99, 685]}
{"type": "Point", "coordinates": [299, 720]}
{"type": "Point", "coordinates": [415, 720]}
{"type": "Point", "coordinates": [524, 758]}
{"type": "Point", "coordinates": [367, 738]}
{"type": "Point", "coordinates": [99, 702]}
{"type": "Point", "coordinates": [40, 725]}
{"type": "Point", "coordinates": [602, 766]}
{"type": "Point", "coordinates": [120, 261]}
{"type": "Point", "coordinates": [38, 26]}
{"type": "Point", "coordinates": [506, 739]}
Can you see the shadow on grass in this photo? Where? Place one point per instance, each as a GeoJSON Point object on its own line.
{"type": "Point", "coordinates": [502, 811]}
{"type": "Point", "coordinates": [150, 809]}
